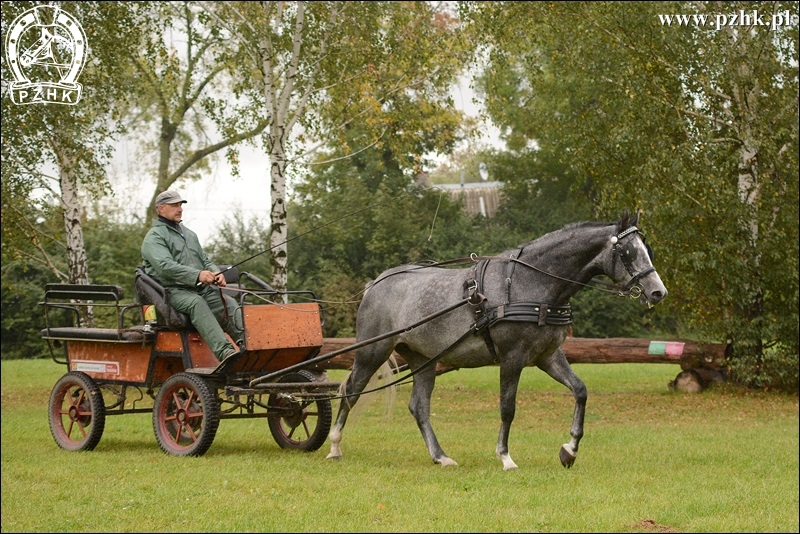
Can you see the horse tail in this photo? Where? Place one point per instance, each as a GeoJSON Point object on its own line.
{"type": "Point", "coordinates": [380, 381]}
{"type": "Point", "coordinates": [386, 374]}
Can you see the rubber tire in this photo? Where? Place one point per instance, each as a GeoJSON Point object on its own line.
{"type": "Point", "coordinates": [291, 429]}
{"type": "Point", "coordinates": [185, 415]}
{"type": "Point", "coordinates": [76, 412]}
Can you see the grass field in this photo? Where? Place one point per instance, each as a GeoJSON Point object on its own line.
{"type": "Point", "coordinates": [652, 460]}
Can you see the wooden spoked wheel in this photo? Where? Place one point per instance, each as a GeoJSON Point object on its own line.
{"type": "Point", "coordinates": [76, 412]}
{"type": "Point", "coordinates": [185, 415]}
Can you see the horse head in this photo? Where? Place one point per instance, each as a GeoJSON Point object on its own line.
{"type": "Point", "coordinates": [631, 262]}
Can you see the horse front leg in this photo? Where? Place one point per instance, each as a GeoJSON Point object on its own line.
{"type": "Point", "coordinates": [509, 381]}
{"type": "Point", "coordinates": [559, 369]}
{"type": "Point", "coordinates": [420, 408]}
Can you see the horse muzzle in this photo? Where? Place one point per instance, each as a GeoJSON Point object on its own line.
{"type": "Point", "coordinates": [650, 291]}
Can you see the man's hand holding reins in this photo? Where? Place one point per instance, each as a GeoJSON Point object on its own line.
{"type": "Point", "coordinates": [208, 278]}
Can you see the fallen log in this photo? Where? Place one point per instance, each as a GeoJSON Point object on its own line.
{"type": "Point", "coordinates": [689, 354]}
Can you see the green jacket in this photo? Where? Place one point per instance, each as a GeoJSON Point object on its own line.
{"type": "Point", "coordinates": [172, 255]}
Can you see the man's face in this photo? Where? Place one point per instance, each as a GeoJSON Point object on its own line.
{"type": "Point", "coordinates": [173, 212]}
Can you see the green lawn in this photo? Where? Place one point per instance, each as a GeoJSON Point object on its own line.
{"type": "Point", "coordinates": [652, 460]}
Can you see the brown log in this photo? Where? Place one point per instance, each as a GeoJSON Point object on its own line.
{"type": "Point", "coordinates": [581, 350]}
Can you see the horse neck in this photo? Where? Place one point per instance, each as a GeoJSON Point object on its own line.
{"type": "Point", "coordinates": [563, 260]}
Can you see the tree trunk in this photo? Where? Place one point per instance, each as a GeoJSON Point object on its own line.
{"type": "Point", "coordinates": [278, 229]}
{"type": "Point", "coordinates": [78, 266]}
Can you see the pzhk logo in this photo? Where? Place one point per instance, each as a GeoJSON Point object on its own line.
{"type": "Point", "coordinates": [46, 49]}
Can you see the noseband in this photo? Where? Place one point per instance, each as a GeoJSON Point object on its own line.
{"type": "Point", "coordinates": [627, 254]}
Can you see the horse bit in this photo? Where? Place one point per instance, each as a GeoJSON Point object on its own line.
{"type": "Point", "coordinates": [627, 254]}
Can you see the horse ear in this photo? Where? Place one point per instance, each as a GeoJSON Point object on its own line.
{"type": "Point", "coordinates": [623, 222]}
{"type": "Point", "coordinates": [635, 219]}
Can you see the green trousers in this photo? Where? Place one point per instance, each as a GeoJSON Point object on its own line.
{"type": "Point", "coordinates": [211, 316]}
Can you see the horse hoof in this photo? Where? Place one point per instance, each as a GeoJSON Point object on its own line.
{"type": "Point", "coordinates": [508, 463]}
{"type": "Point", "coordinates": [446, 462]}
{"type": "Point", "coordinates": [566, 457]}
{"type": "Point", "coordinates": [333, 456]}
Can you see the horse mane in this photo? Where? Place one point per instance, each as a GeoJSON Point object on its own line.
{"type": "Point", "coordinates": [625, 221]}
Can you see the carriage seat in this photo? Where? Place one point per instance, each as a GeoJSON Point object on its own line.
{"type": "Point", "coordinates": [135, 334]}
{"type": "Point", "coordinates": [149, 291]}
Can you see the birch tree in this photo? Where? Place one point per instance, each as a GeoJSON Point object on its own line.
{"type": "Point", "coordinates": [60, 154]}
{"type": "Point", "coordinates": [191, 102]}
{"type": "Point", "coordinates": [323, 67]}
{"type": "Point", "coordinates": [57, 153]}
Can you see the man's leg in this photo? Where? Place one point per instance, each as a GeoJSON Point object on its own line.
{"type": "Point", "coordinates": [203, 319]}
{"type": "Point", "coordinates": [228, 314]}
{"type": "Point", "coordinates": [235, 326]}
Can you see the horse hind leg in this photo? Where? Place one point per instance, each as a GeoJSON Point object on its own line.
{"type": "Point", "coordinates": [420, 407]}
{"type": "Point", "coordinates": [368, 360]}
{"type": "Point", "coordinates": [559, 369]}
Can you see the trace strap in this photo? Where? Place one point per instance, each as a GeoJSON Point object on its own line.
{"type": "Point", "coordinates": [329, 355]}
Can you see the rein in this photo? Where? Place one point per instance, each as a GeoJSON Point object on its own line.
{"type": "Point", "coordinates": [630, 289]}
{"type": "Point", "coordinates": [406, 377]}
{"type": "Point", "coordinates": [329, 355]}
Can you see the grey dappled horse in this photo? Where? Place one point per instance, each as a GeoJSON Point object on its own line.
{"type": "Point", "coordinates": [517, 313]}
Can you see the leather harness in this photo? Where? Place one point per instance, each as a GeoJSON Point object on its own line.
{"type": "Point", "coordinates": [533, 312]}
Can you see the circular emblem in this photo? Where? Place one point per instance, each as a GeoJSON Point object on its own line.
{"type": "Point", "coordinates": [46, 50]}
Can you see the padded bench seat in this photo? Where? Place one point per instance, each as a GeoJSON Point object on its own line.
{"type": "Point", "coordinates": [135, 334]}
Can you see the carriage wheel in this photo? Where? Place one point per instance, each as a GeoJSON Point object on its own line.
{"type": "Point", "coordinates": [298, 423]}
{"type": "Point", "coordinates": [185, 415]}
{"type": "Point", "coordinates": [76, 412]}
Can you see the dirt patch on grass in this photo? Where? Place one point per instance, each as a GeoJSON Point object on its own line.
{"type": "Point", "coordinates": [648, 525]}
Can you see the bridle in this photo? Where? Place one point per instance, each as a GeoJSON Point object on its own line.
{"type": "Point", "coordinates": [626, 254]}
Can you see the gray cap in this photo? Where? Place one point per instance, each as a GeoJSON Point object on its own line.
{"type": "Point", "coordinates": [169, 197]}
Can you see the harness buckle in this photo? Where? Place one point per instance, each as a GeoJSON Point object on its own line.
{"type": "Point", "coordinates": [635, 291]}
{"type": "Point", "coordinates": [476, 299]}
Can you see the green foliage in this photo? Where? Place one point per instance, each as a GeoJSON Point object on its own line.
{"type": "Point", "coordinates": [697, 127]}
{"type": "Point", "coordinates": [540, 193]}
{"type": "Point", "coordinates": [55, 156]}
{"type": "Point", "coordinates": [237, 240]}
{"type": "Point", "coordinates": [777, 369]}
{"type": "Point", "coordinates": [193, 102]}
{"type": "Point", "coordinates": [329, 70]}
{"type": "Point", "coordinates": [23, 317]}
{"type": "Point", "coordinates": [354, 218]}
{"type": "Point", "coordinates": [112, 254]}
{"type": "Point", "coordinates": [113, 251]}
